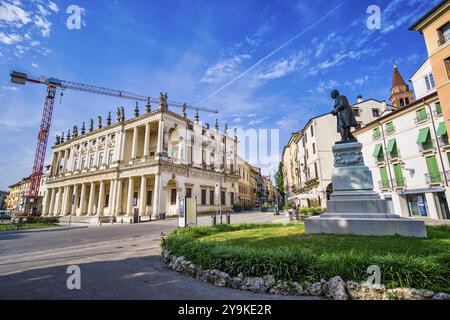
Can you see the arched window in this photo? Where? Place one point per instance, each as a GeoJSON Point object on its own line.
{"type": "Point", "coordinates": [406, 101]}
{"type": "Point", "coordinates": [402, 103]}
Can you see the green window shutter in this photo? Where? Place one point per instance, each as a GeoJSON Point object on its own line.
{"type": "Point", "coordinates": [433, 169]}
{"type": "Point", "coordinates": [423, 135]}
{"type": "Point", "coordinates": [442, 130]}
{"type": "Point", "coordinates": [378, 150]}
{"type": "Point", "coordinates": [376, 133]}
{"type": "Point", "coordinates": [438, 108]}
{"type": "Point", "coordinates": [421, 114]}
{"type": "Point", "coordinates": [398, 175]}
{"type": "Point", "coordinates": [389, 127]}
{"type": "Point", "coordinates": [384, 177]}
{"type": "Point", "coordinates": [392, 145]}
{"type": "Point", "coordinates": [448, 157]}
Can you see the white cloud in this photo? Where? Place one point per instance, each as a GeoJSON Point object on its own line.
{"type": "Point", "coordinates": [13, 15]}
{"type": "Point", "coordinates": [362, 80]}
{"type": "Point", "coordinates": [10, 38]}
{"type": "Point", "coordinates": [223, 69]}
{"type": "Point", "coordinates": [284, 67]}
{"type": "Point", "coordinates": [43, 24]}
{"type": "Point", "coordinates": [251, 115]}
{"type": "Point", "coordinates": [322, 86]}
{"type": "Point", "coordinates": [35, 65]}
{"type": "Point", "coordinates": [9, 88]}
{"type": "Point", "coordinates": [53, 6]}
{"type": "Point", "coordinates": [237, 120]}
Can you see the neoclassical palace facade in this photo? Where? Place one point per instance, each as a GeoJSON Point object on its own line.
{"type": "Point", "coordinates": [144, 164]}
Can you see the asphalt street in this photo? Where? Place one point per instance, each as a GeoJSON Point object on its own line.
{"type": "Point", "coordinates": [116, 262]}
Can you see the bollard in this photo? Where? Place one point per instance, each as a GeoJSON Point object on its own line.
{"type": "Point", "coordinates": [213, 220]}
{"type": "Point", "coordinates": [228, 218]}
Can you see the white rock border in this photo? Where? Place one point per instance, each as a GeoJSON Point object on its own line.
{"type": "Point", "coordinates": [333, 289]}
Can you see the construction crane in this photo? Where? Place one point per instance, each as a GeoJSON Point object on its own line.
{"type": "Point", "coordinates": [52, 84]}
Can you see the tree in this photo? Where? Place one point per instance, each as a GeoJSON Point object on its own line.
{"type": "Point", "coordinates": [279, 179]}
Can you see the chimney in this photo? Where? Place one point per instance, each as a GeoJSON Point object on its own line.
{"type": "Point", "coordinates": [383, 106]}
{"type": "Point", "coordinates": [360, 99]}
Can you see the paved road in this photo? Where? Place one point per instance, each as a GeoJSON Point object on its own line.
{"type": "Point", "coordinates": [116, 262]}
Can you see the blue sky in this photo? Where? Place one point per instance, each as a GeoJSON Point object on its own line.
{"type": "Point", "coordinates": [222, 54]}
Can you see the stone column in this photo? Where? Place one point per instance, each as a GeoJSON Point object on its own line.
{"type": "Point", "coordinates": [54, 159]}
{"type": "Point", "coordinates": [73, 210]}
{"type": "Point", "coordinates": [111, 201]}
{"type": "Point", "coordinates": [51, 210]}
{"type": "Point", "coordinates": [118, 200]}
{"type": "Point", "coordinates": [147, 140]}
{"type": "Point", "coordinates": [130, 196]}
{"type": "Point", "coordinates": [159, 147]}
{"type": "Point", "coordinates": [46, 206]}
{"type": "Point", "coordinates": [66, 202]}
{"type": "Point", "coordinates": [135, 143]}
{"type": "Point", "coordinates": [82, 200]}
{"type": "Point", "coordinates": [122, 150]}
{"type": "Point", "coordinates": [101, 199]}
{"type": "Point", "coordinates": [59, 201]}
{"type": "Point", "coordinates": [58, 162]}
{"type": "Point", "coordinates": [143, 196]}
{"type": "Point", "coordinates": [156, 198]}
{"type": "Point", "coordinates": [66, 159]}
{"type": "Point", "coordinates": [91, 200]}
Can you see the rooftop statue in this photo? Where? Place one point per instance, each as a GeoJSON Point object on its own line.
{"type": "Point", "coordinates": [344, 115]}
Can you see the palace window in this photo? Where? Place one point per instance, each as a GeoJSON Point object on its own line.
{"type": "Point", "coordinates": [399, 180]}
{"type": "Point", "coordinates": [188, 192]}
{"type": "Point", "coordinates": [149, 197]}
{"type": "Point", "coordinates": [375, 113]}
{"type": "Point", "coordinates": [91, 161]}
{"type": "Point", "coordinates": [203, 197]}
{"type": "Point", "coordinates": [100, 158]}
{"type": "Point", "coordinates": [314, 148]}
{"type": "Point", "coordinates": [173, 196]}
{"type": "Point", "coordinates": [312, 131]}
{"type": "Point", "coordinates": [378, 153]}
{"type": "Point", "coordinates": [110, 156]}
{"type": "Point", "coordinates": [83, 163]}
{"type": "Point", "coordinates": [421, 115]}
{"type": "Point", "coordinates": [424, 140]}
{"type": "Point", "coordinates": [392, 149]}
{"type": "Point", "coordinates": [75, 164]}
{"type": "Point", "coordinates": [211, 197]}
{"type": "Point", "coordinates": [223, 197]}
{"type": "Point", "coordinates": [376, 133]}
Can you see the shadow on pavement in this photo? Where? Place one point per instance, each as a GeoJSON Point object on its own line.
{"type": "Point", "coordinates": [134, 278]}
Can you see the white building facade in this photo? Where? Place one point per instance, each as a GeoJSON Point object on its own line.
{"type": "Point", "coordinates": [408, 154]}
{"type": "Point", "coordinates": [314, 156]}
{"type": "Point", "coordinates": [141, 166]}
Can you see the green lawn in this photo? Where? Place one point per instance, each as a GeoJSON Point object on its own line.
{"type": "Point", "coordinates": [288, 253]}
{"type": "Point", "coordinates": [27, 226]}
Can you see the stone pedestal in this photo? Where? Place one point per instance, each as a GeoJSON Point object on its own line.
{"type": "Point", "coordinates": [354, 208]}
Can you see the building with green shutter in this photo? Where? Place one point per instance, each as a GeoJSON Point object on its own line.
{"type": "Point", "coordinates": [408, 153]}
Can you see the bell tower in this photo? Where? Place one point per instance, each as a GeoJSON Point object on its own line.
{"type": "Point", "coordinates": [401, 96]}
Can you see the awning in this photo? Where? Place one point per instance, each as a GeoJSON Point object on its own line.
{"type": "Point", "coordinates": [423, 135]}
{"type": "Point", "coordinates": [305, 196]}
{"type": "Point", "coordinates": [442, 130]}
{"type": "Point", "coordinates": [378, 150]}
{"type": "Point", "coordinates": [391, 145]}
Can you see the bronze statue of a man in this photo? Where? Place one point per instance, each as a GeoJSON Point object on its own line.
{"type": "Point", "coordinates": [345, 117]}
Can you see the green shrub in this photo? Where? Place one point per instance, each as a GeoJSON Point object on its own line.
{"type": "Point", "coordinates": [287, 206]}
{"type": "Point", "coordinates": [313, 211]}
{"type": "Point", "coordinates": [302, 262]}
{"type": "Point", "coordinates": [48, 220]}
{"type": "Point", "coordinates": [237, 207]}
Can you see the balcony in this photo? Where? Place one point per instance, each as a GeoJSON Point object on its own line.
{"type": "Point", "coordinates": [384, 184]}
{"type": "Point", "coordinates": [443, 142]}
{"type": "Point", "coordinates": [434, 178]}
{"type": "Point", "coordinates": [399, 183]}
{"type": "Point", "coordinates": [394, 155]}
{"type": "Point", "coordinates": [428, 146]}
{"type": "Point", "coordinates": [380, 159]}
{"type": "Point", "coordinates": [376, 136]}
{"type": "Point", "coordinates": [390, 130]}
